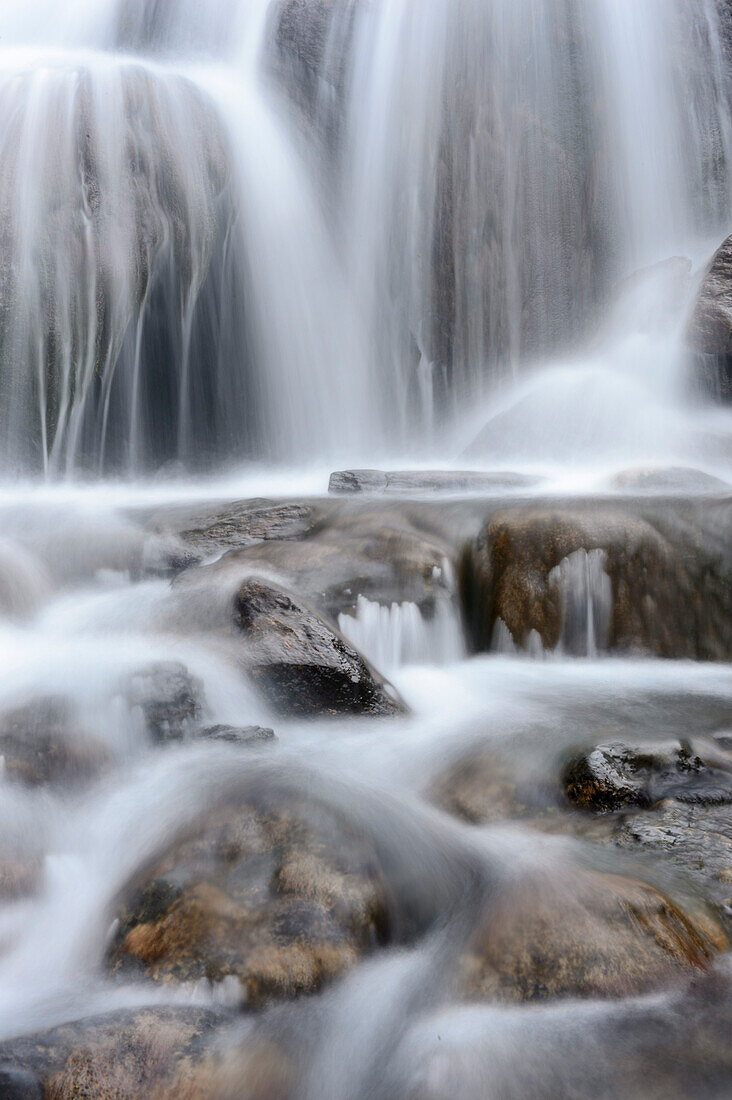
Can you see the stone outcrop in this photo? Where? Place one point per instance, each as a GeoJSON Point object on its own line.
{"type": "Point", "coordinates": [301, 663]}
{"type": "Point", "coordinates": [669, 589]}
{"type": "Point", "coordinates": [709, 333]}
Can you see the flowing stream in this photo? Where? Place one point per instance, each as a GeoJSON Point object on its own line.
{"type": "Point", "coordinates": [247, 242]}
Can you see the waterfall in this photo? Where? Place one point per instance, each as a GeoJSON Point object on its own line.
{"type": "Point", "coordinates": [287, 231]}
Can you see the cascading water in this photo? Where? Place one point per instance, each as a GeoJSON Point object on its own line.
{"type": "Point", "coordinates": [245, 240]}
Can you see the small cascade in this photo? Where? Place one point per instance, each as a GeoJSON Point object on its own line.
{"type": "Point", "coordinates": [586, 600]}
{"type": "Point", "coordinates": [399, 634]}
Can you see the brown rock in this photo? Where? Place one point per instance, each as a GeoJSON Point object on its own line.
{"type": "Point", "coordinates": [583, 934]}
{"type": "Point", "coordinates": [280, 896]}
{"type": "Point", "coordinates": [709, 332]}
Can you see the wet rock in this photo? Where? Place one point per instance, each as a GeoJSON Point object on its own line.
{"type": "Point", "coordinates": [126, 1055]}
{"type": "Point", "coordinates": [300, 662]}
{"type": "Point", "coordinates": [668, 479]}
{"type": "Point", "coordinates": [666, 598]}
{"type": "Point", "coordinates": [482, 788]}
{"type": "Point", "coordinates": [259, 1070]}
{"type": "Point", "coordinates": [376, 553]}
{"type": "Point", "coordinates": [582, 934]}
{"type": "Point", "coordinates": [276, 894]}
{"type": "Point", "coordinates": [19, 1084]}
{"type": "Point", "coordinates": [170, 699]}
{"type": "Point", "coordinates": [424, 481]}
{"type": "Point", "coordinates": [709, 333]}
{"type": "Point", "coordinates": [241, 523]}
{"type": "Point", "coordinates": [41, 744]}
{"type": "Point", "coordinates": [238, 735]}
{"type": "Point", "coordinates": [695, 839]}
{"type": "Point", "coordinates": [614, 776]}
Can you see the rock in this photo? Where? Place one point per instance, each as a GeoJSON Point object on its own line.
{"type": "Point", "coordinates": [582, 934]}
{"type": "Point", "coordinates": [170, 699]}
{"type": "Point", "coordinates": [614, 776]}
{"type": "Point", "coordinates": [260, 1070]}
{"type": "Point", "coordinates": [377, 553]}
{"type": "Point", "coordinates": [277, 893]}
{"type": "Point", "coordinates": [301, 663]}
{"type": "Point", "coordinates": [125, 1055]}
{"type": "Point", "coordinates": [482, 788]}
{"type": "Point", "coordinates": [41, 744]}
{"type": "Point", "coordinates": [668, 479]}
{"type": "Point", "coordinates": [709, 332]}
{"type": "Point", "coordinates": [695, 839]}
{"type": "Point", "coordinates": [239, 524]}
{"type": "Point", "coordinates": [425, 481]}
{"type": "Point", "coordinates": [19, 1084]}
{"type": "Point", "coordinates": [655, 596]}
{"type": "Point", "coordinates": [238, 735]}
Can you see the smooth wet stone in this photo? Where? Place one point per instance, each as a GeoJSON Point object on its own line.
{"type": "Point", "coordinates": [670, 585]}
{"type": "Point", "coordinates": [171, 700]}
{"type": "Point", "coordinates": [41, 745]}
{"type": "Point", "coordinates": [425, 481]}
{"type": "Point", "coordinates": [574, 933]}
{"type": "Point", "coordinates": [238, 735]}
{"type": "Point", "coordinates": [668, 479]}
{"type": "Point", "coordinates": [301, 663]}
{"type": "Point", "coordinates": [277, 894]}
{"type": "Point", "coordinates": [247, 522]}
{"type": "Point", "coordinates": [611, 777]}
{"type": "Point", "coordinates": [695, 839]}
{"type": "Point", "coordinates": [709, 332]}
{"type": "Point", "coordinates": [375, 552]}
{"type": "Point", "coordinates": [132, 1054]}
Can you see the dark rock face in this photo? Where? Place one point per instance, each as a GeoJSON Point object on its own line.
{"type": "Point", "coordinates": [126, 1055]}
{"type": "Point", "coordinates": [590, 935]}
{"type": "Point", "coordinates": [41, 744]}
{"type": "Point", "coordinates": [170, 700]}
{"type": "Point", "coordinates": [301, 663]}
{"type": "Point", "coordinates": [668, 598]}
{"type": "Point", "coordinates": [709, 334]}
{"type": "Point", "coordinates": [611, 777]}
{"type": "Point", "coordinates": [424, 481]}
{"type": "Point", "coordinates": [276, 893]}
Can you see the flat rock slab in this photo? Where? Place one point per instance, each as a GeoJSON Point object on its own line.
{"type": "Point", "coordinates": [425, 481]}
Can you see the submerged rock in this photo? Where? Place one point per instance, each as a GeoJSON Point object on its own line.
{"type": "Point", "coordinates": [668, 479]}
{"type": "Point", "coordinates": [301, 663]}
{"type": "Point", "coordinates": [665, 598]}
{"type": "Point", "coordinates": [170, 699]}
{"type": "Point", "coordinates": [238, 735]}
{"type": "Point", "coordinates": [582, 934]}
{"type": "Point", "coordinates": [41, 744]}
{"type": "Point", "coordinates": [275, 894]}
{"type": "Point", "coordinates": [709, 333]}
{"type": "Point", "coordinates": [614, 776]}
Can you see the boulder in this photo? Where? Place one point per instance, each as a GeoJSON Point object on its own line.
{"type": "Point", "coordinates": [670, 479]}
{"type": "Point", "coordinates": [582, 934]}
{"type": "Point", "coordinates": [301, 663]}
{"type": "Point", "coordinates": [133, 1054]}
{"type": "Point", "coordinates": [277, 894]}
{"type": "Point", "coordinates": [662, 592]}
{"type": "Point", "coordinates": [239, 524]}
{"type": "Point", "coordinates": [709, 332]}
{"type": "Point", "coordinates": [170, 699]}
{"type": "Point", "coordinates": [615, 776]}
{"type": "Point", "coordinates": [41, 744]}
{"type": "Point", "coordinates": [375, 552]}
